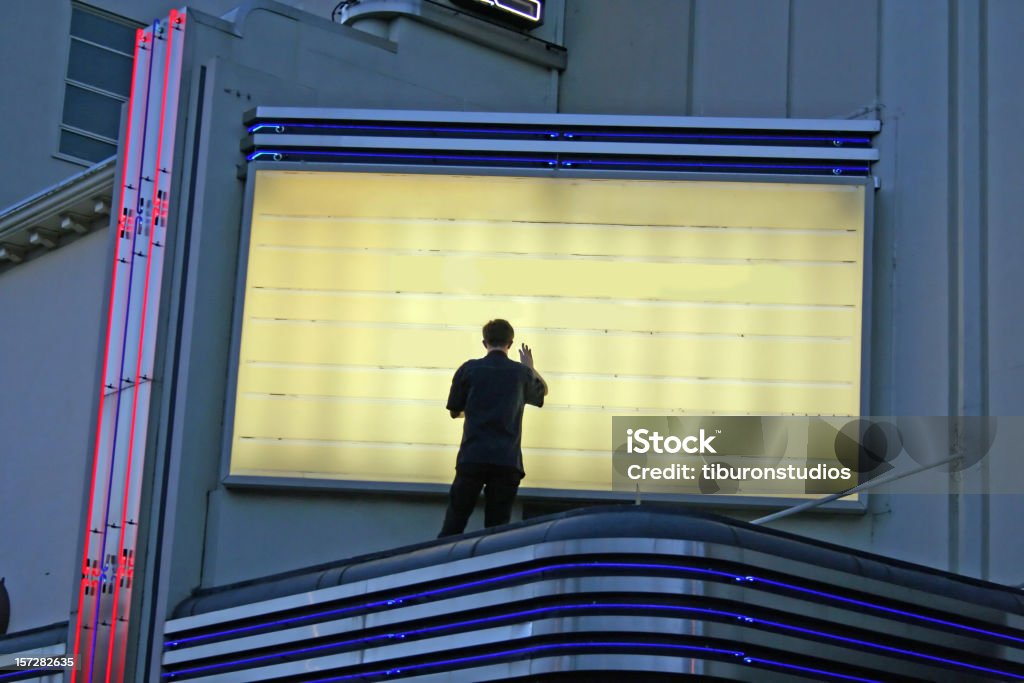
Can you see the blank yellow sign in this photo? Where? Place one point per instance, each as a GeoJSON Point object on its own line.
{"type": "Point", "coordinates": [364, 292]}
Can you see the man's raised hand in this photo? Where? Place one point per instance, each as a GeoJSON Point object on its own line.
{"type": "Point", "coordinates": [526, 356]}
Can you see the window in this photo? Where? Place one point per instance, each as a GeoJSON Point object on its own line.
{"type": "Point", "coordinates": [98, 82]}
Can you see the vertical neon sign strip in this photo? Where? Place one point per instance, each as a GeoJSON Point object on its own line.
{"type": "Point", "coordinates": [135, 128]}
{"type": "Point", "coordinates": [144, 364]}
{"type": "Point", "coordinates": [108, 557]}
{"type": "Point", "coordinates": [127, 543]}
{"type": "Point", "coordinates": [98, 636]}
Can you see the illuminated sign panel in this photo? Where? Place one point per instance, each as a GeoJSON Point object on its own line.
{"type": "Point", "coordinates": [364, 292]}
{"type": "Point", "coordinates": [525, 13]}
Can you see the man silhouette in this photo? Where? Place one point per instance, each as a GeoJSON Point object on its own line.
{"type": "Point", "coordinates": [491, 393]}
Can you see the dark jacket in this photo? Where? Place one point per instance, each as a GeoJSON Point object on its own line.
{"type": "Point", "coordinates": [492, 392]}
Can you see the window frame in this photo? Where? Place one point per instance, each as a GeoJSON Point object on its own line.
{"type": "Point", "coordinates": [62, 126]}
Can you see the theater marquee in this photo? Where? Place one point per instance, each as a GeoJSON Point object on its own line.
{"type": "Point", "coordinates": [362, 292]}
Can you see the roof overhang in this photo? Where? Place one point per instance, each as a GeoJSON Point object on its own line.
{"type": "Point", "coordinates": [55, 216]}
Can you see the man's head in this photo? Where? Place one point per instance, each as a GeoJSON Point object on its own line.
{"type": "Point", "coordinates": [498, 334]}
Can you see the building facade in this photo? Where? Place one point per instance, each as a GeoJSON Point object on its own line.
{"type": "Point", "coordinates": [941, 324]}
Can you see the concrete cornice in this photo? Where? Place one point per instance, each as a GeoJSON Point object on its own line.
{"type": "Point", "coordinates": [74, 206]}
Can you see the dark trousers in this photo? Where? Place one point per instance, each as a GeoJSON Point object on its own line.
{"type": "Point", "coordinates": [499, 485]}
